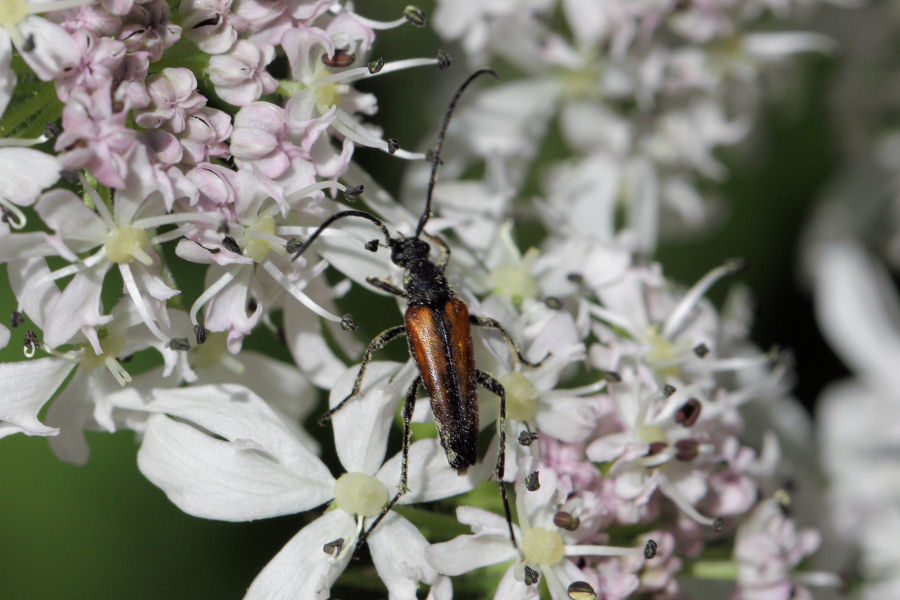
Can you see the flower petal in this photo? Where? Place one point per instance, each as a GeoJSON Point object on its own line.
{"type": "Point", "coordinates": [302, 569]}
{"type": "Point", "coordinates": [398, 552]}
{"type": "Point", "coordinates": [24, 389]}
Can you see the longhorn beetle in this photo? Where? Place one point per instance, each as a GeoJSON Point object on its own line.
{"type": "Point", "coordinates": [438, 330]}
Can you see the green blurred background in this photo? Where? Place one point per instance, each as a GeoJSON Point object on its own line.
{"type": "Point", "coordinates": [102, 531]}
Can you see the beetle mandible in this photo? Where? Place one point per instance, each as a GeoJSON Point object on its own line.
{"type": "Point", "coordinates": [437, 326]}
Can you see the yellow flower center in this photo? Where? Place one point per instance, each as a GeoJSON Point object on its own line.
{"type": "Point", "coordinates": [12, 12]}
{"type": "Point", "coordinates": [663, 353]}
{"type": "Point", "coordinates": [360, 494]}
{"type": "Point", "coordinates": [515, 281]}
{"type": "Point", "coordinates": [327, 96]}
{"type": "Point", "coordinates": [521, 396]}
{"type": "Point", "coordinates": [258, 248]}
{"type": "Point", "coordinates": [112, 346]}
{"type": "Point", "coordinates": [209, 353]}
{"type": "Point", "coordinates": [651, 434]}
{"type": "Point", "coordinates": [124, 244]}
{"type": "Point", "coordinates": [543, 546]}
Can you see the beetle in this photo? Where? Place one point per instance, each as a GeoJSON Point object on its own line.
{"type": "Point", "coordinates": [438, 328]}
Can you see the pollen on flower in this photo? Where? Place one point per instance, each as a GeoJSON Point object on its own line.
{"type": "Point", "coordinates": [360, 494]}
{"type": "Point", "coordinates": [12, 12]}
{"type": "Point", "coordinates": [124, 244]}
{"type": "Point", "coordinates": [521, 396]}
{"type": "Point", "coordinates": [543, 546]}
{"type": "Point", "coordinates": [327, 96]}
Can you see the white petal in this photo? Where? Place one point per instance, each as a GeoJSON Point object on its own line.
{"type": "Point", "coordinates": [235, 413]}
{"type": "Point", "coordinates": [361, 427]}
{"type": "Point", "coordinates": [398, 552]}
{"type": "Point", "coordinates": [7, 75]}
{"type": "Point", "coordinates": [511, 588]}
{"type": "Point", "coordinates": [442, 589]}
{"type": "Point", "coordinates": [465, 553]}
{"type": "Point", "coordinates": [302, 569]}
{"type": "Point", "coordinates": [215, 479]}
{"type": "Point", "coordinates": [24, 172]}
{"type": "Point", "coordinates": [857, 309]}
{"type": "Point", "coordinates": [64, 212]}
{"type": "Point", "coordinates": [4, 336]}
{"type": "Point", "coordinates": [33, 287]}
{"type": "Point", "coordinates": [24, 389]}
{"type": "Point", "coordinates": [78, 306]}
{"type": "Point", "coordinates": [569, 419]}
{"type": "Point", "coordinates": [430, 475]}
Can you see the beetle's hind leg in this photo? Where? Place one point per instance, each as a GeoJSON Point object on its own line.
{"type": "Point", "coordinates": [383, 338]}
{"type": "Point", "coordinates": [408, 407]}
{"type": "Point", "coordinates": [495, 324]}
{"type": "Point", "coordinates": [496, 387]}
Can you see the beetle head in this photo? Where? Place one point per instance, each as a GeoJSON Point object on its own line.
{"type": "Point", "coordinates": [407, 251]}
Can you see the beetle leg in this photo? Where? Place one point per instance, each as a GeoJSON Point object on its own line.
{"type": "Point", "coordinates": [445, 251]}
{"type": "Point", "coordinates": [383, 338]}
{"type": "Point", "coordinates": [495, 324]}
{"type": "Point", "coordinates": [408, 408]}
{"type": "Point", "coordinates": [496, 387]}
{"type": "Point", "coordinates": [386, 286]}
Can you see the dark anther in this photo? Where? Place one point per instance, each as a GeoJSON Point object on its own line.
{"type": "Point", "coordinates": [51, 129]}
{"type": "Point", "coordinates": [280, 336]}
{"type": "Point", "coordinates": [372, 245]}
{"type": "Point", "coordinates": [28, 46]}
{"type": "Point", "coordinates": [566, 521]}
{"type": "Point", "coordinates": [721, 466]}
{"type": "Point", "coordinates": [533, 481]}
{"type": "Point", "coordinates": [531, 576]}
{"type": "Point", "coordinates": [31, 339]}
{"type": "Point", "coordinates": [611, 376]}
{"type": "Point", "coordinates": [393, 145]}
{"type": "Point", "coordinates": [230, 244]}
{"type": "Point", "coordinates": [668, 390]}
{"type": "Point", "coordinates": [200, 333]}
{"type": "Point", "coordinates": [376, 65]}
{"type": "Point", "coordinates": [688, 413]}
{"type": "Point", "coordinates": [581, 590]}
{"type": "Point", "coordinates": [126, 359]}
{"type": "Point", "coordinates": [348, 323]}
{"type": "Point", "coordinates": [69, 176]}
{"type": "Point", "coordinates": [7, 215]}
{"type": "Point", "coordinates": [340, 58]}
{"type": "Point", "coordinates": [415, 15]}
{"type": "Point", "coordinates": [686, 449]}
{"type": "Point", "coordinates": [701, 350]}
{"type": "Point", "coordinates": [655, 448]}
{"type": "Point", "coordinates": [179, 344]}
{"type": "Point", "coordinates": [210, 22]}
{"type": "Point", "coordinates": [16, 319]}
{"type": "Point", "coordinates": [526, 438]}
{"type": "Point", "coordinates": [333, 547]}
{"type": "Point", "coordinates": [576, 278]}
{"type": "Point", "coordinates": [351, 193]}
{"type": "Point", "coordinates": [553, 303]}
{"type": "Point", "coordinates": [737, 265]}
{"type": "Point", "coordinates": [444, 60]}
{"type": "Point", "coordinates": [293, 245]}
{"type": "Point", "coordinates": [718, 524]}
{"type": "Point", "coordinates": [429, 156]}
{"type": "Point", "coordinates": [650, 549]}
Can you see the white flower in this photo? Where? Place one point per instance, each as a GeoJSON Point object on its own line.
{"type": "Point", "coordinates": [229, 457]}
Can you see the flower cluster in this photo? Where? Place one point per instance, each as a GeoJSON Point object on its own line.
{"type": "Point", "coordinates": [216, 142]}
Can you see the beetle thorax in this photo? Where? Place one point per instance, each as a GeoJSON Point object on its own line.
{"type": "Point", "coordinates": [423, 280]}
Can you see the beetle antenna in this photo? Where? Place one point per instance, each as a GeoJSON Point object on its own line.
{"type": "Point", "coordinates": [341, 215]}
{"type": "Point", "coordinates": [436, 158]}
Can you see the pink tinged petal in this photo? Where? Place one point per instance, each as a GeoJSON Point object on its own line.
{"type": "Point", "coordinates": [24, 173]}
{"type": "Point", "coordinates": [466, 553]}
{"type": "Point", "coordinates": [78, 306]}
{"type": "Point", "coordinates": [33, 286]}
{"type": "Point", "coordinates": [361, 427]}
{"type": "Point", "coordinates": [430, 475]}
{"type": "Point", "coordinates": [300, 47]}
{"type": "Point", "coordinates": [229, 481]}
{"type": "Point", "coordinates": [65, 213]}
{"type": "Point", "coordinates": [302, 569]}
{"type": "Point", "coordinates": [24, 389]}
{"type": "Point", "coordinates": [54, 49]}
{"type": "Point", "coordinates": [398, 552]}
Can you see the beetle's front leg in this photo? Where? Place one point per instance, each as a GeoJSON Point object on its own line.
{"type": "Point", "coordinates": [383, 338]}
{"type": "Point", "coordinates": [495, 324]}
